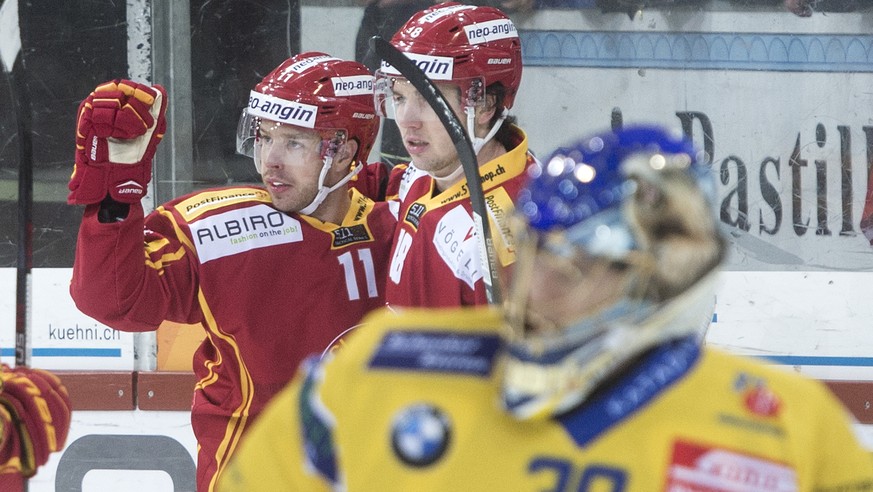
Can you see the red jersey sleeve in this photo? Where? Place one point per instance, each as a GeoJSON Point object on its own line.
{"type": "Point", "coordinates": [134, 274]}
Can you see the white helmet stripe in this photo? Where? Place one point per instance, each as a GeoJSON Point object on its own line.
{"type": "Point", "coordinates": [439, 13]}
{"type": "Point", "coordinates": [492, 30]}
{"type": "Point", "coordinates": [435, 67]}
{"type": "Point", "coordinates": [358, 85]}
{"type": "Point", "coordinates": [282, 110]}
{"type": "Point", "coordinates": [304, 64]}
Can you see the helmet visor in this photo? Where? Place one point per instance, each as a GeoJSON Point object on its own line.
{"type": "Point", "coordinates": [396, 98]}
{"type": "Point", "coordinates": [271, 141]}
{"type": "Point", "coordinates": [246, 131]}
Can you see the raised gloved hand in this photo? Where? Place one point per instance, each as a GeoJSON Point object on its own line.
{"type": "Point", "coordinates": [117, 132]}
{"type": "Point", "coordinates": [38, 407]}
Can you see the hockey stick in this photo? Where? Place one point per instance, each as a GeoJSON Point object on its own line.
{"type": "Point", "coordinates": [461, 140]}
{"type": "Point", "coordinates": [23, 282]}
{"type": "Point", "coordinates": [13, 64]}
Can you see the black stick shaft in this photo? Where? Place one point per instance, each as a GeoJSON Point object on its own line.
{"type": "Point", "coordinates": [21, 102]}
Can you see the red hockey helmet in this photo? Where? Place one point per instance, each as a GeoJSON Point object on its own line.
{"type": "Point", "coordinates": [314, 90]}
{"type": "Point", "coordinates": [464, 44]}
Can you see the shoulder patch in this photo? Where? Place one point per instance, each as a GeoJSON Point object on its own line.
{"type": "Point", "coordinates": [437, 351]}
{"type": "Point", "coordinates": [414, 213]}
{"type": "Point", "coordinates": [343, 236]}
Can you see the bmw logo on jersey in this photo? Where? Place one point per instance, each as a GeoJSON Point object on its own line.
{"type": "Point", "coordinates": [420, 435]}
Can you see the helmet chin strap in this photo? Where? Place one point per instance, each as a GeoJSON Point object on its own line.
{"type": "Point", "coordinates": [323, 190]}
{"type": "Point", "coordinates": [477, 142]}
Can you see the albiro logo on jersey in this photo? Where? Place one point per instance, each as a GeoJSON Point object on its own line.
{"type": "Point", "coordinates": [277, 109]}
{"type": "Point", "coordinates": [358, 85]}
{"type": "Point", "coordinates": [244, 229]}
{"type": "Point", "coordinates": [490, 31]}
{"type": "Point", "coordinates": [435, 67]}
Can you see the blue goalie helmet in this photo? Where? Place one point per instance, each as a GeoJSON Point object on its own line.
{"type": "Point", "coordinates": [617, 245]}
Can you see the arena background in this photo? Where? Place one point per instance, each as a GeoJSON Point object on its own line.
{"type": "Point", "coordinates": [782, 104]}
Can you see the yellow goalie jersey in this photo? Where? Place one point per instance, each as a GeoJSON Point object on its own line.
{"type": "Point", "coordinates": [411, 402]}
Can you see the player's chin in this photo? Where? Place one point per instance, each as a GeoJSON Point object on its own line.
{"type": "Point", "coordinates": [285, 203]}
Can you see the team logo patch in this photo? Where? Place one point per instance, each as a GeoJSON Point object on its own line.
{"type": "Point", "coordinates": [757, 397]}
{"type": "Point", "coordinates": [413, 215]}
{"type": "Point", "coordinates": [763, 402]}
{"type": "Point", "coordinates": [700, 468]}
{"type": "Point", "coordinates": [420, 435]}
{"type": "Point", "coordinates": [343, 236]}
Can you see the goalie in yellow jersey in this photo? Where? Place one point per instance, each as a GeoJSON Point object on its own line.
{"type": "Point", "coordinates": [592, 377]}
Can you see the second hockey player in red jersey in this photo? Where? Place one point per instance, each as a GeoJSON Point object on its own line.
{"type": "Point", "coordinates": [473, 55]}
{"type": "Point", "coordinates": [272, 273]}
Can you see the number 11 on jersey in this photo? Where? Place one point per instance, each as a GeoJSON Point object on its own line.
{"type": "Point", "coordinates": [365, 258]}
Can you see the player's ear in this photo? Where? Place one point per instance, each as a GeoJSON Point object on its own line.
{"type": "Point", "coordinates": [485, 112]}
{"type": "Point", "coordinates": [346, 152]}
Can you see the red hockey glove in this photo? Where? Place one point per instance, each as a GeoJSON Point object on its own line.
{"type": "Point", "coordinates": [117, 132]}
{"type": "Point", "coordinates": [40, 409]}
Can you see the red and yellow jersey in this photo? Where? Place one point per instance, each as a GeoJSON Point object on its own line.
{"type": "Point", "coordinates": [411, 404]}
{"type": "Point", "coordinates": [269, 288]}
{"type": "Point", "coordinates": [435, 258]}
{"type": "Point", "coordinates": [372, 181]}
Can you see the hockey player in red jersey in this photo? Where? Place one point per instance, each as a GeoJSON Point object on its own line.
{"type": "Point", "coordinates": [272, 273]}
{"type": "Point", "coordinates": [473, 55]}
